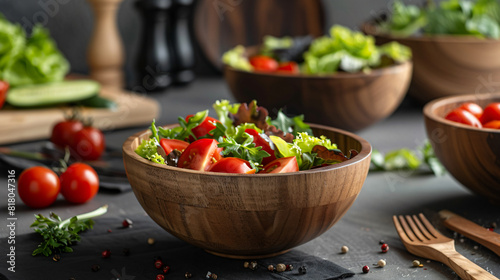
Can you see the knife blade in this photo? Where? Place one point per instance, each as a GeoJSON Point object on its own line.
{"type": "Point", "coordinates": [469, 229]}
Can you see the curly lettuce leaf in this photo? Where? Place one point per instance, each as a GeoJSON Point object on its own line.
{"type": "Point", "coordinates": [222, 109]}
{"type": "Point", "coordinates": [147, 149]}
{"type": "Point", "coordinates": [405, 20]}
{"type": "Point", "coordinates": [12, 42]}
{"type": "Point", "coordinates": [236, 58]}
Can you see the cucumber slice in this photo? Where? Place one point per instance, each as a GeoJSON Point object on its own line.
{"type": "Point", "coordinates": [39, 95]}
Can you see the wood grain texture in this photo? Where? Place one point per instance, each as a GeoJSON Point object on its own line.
{"type": "Point", "coordinates": [450, 65]}
{"type": "Point", "coordinates": [248, 216]}
{"type": "Point", "coordinates": [471, 155]}
{"type": "Point", "coordinates": [349, 101]}
{"type": "Point", "coordinates": [34, 124]}
{"type": "Point", "coordinates": [220, 25]}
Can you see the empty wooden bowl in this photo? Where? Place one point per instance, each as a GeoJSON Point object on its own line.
{"type": "Point", "coordinates": [248, 215]}
{"type": "Point", "coordinates": [449, 65]}
{"type": "Point", "coordinates": [471, 155]}
{"type": "Point", "coordinates": [349, 101]}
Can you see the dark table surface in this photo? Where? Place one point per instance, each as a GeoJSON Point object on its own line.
{"type": "Point", "coordinates": [369, 220]}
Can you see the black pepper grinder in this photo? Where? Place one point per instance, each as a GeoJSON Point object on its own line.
{"type": "Point", "coordinates": [155, 61]}
{"type": "Point", "coordinates": [180, 37]}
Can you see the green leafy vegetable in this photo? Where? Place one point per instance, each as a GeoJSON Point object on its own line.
{"type": "Point", "coordinates": [183, 131]}
{"type": "Point", "coordinates": [290, 125]}
{"type": "Point", "coordinates": [224, 108]}
{"type": "Point", "coordinates": [58, 235]}
{"type": "Point", "coordinates": [236, 58]}
{"type": "Point", "coordinates": [405, 20]}
{"type": "Point", "coordinates": [148, 148]}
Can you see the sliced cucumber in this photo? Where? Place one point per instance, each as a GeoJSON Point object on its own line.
{"type": "Point", "coordinates": [52, 93]}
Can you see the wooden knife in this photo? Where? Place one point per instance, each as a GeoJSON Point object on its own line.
{"type": "Point", "coordinates": [481, 235]}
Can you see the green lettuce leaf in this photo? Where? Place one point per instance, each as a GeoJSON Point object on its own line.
{"type": "Point", "coordinates": [236, 58]}
{"type": "Point", "coordinates": [147, 149]}
{"type": "Point", "coordinates": [404, 21]}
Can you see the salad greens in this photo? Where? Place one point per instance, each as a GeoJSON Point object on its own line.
{"type": "Point", "coordinates": [480, 18]}
{"type": "Point", "coordinates": [31, 60]}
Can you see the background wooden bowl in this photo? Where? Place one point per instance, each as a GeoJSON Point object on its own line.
{"type": "Point", "coordinates": [248, 216]}
{"type": "Point", "coordinates": [471, 155]}
{"type": "Point", "coordinates": [349, 101]}
{"type": "Point", "coordinates": [449, 65]}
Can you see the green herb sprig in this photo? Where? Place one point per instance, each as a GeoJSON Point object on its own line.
{"type": "Point", "coordinates": [59, 235]}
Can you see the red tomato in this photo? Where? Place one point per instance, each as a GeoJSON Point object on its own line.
{"type": "Point", "coordinates": [261, 142]}
{"type": "Point", "coordinates": [472, 108]}
{"type": "Point", "coordinates": [199, 155]}
{"type": "Point", "coordinates": [79, 183]}
{"type": "Point", "coordinates": [204, 127]}
{"type": "Point", "coordinates": [88, 143]}
{"type": "Point", "coordinates": [38, 187]}
{"type": "Point", "coordinates": [491, 113]}
{"type": "Point", "coordinates": [290, 67]}
{"type": "Point", "coordinates": [281, 165]}
{"type": "Point", "coordinates": [63, 132]}
{"type": "Point", "coordinates": [462, 116]}
{"type": "Point", "coordinates": [4, 87]}
{"type": "Point", "coordinates": [492, 124]}
{"type": "Point", "coordinates": [262, 63]}
{"type": "Point", "coordinates": [232, 165]}
{"type": "Point", "coordinates": [173, 144]}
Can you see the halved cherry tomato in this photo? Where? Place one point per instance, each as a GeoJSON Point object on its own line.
{"type": "Point", "coordinates": [492, 124]}
{"type": "Point", "coordinates": [204, 127]}
{"type": "Point", "coordinates": [173, 144]}
{"type": "Point", "coordinates": [472, 108]}
{"type": "Point", "coordinates": [290, 67]}
{"type": "Point", "coordinates": [465, 117]}
{"type": "Point", "coordinates": [232, 165]}
{"type": "Point", "coordinates": [281, 165]}
{"type": "Point", "coordinates": [262, 63]}
{"type": "Point", "coordinates": [4, 87]}
{"type": "Point", "coordinates": [38, 186]}
{"type": "Point", "coordinates": [260, 142]}
{"type": "Point", "coordinates": [199, 155]}
{"type": "Point", "coordinates": [79, 183]}
{"type": "Point", "coordinates": [491, 113]}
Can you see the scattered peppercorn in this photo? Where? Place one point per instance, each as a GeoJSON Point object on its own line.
{"type": "Point", "coordinates": [214, 276]}
{"type": "Point", "coordinates": [270, 267]}
{"type": "Point", "coordinates": [126, 251]}
{"type": "Point", "coordinates": [160, 277]}
{"type": "Point", "coordinates": [158, 264]}
{"type": "Point", "coordinates": [303, 269]}
{"type": "Point", "coordinates": [246, 264]}
{"type": "Point", "coordinates": [95, 267]}
{"type": "Point", "coordinates": [289, 267]}
{"type": "Point", "coordinates": [344, 249]}
{"type": "Point", "coordinates": [416, 263]}
{"type": "Point", "coordinates": [384, 248]}
{"type": "Point", "coordinates": [109, 230]}
{"type": "Point", "coordinates": [253, 265]}
{"type": "Point", "coordinates": [188, 275]}
{"type": "Point", "coordinates": [381, 263]}
{"type": "Point", "coordinates": [106, 254]}
{"type": "Point", "coordinates": [280, 267]}
{"type": "Point", "coordinates": [151, 241]}
{"type": "Point", "coordinates": [56, 258]}
{"type": "Point", "coordinates": [127, 223]}
{"type": "Point", "coordinates": [366, 269]}
{"type": "Point", "coordinates": [166, 269]}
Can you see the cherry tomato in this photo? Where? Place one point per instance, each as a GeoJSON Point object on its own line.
{"type": "Point", "coordinates": [173, 144]}
{"type": "Point", "coordinates": [281, 165]}
{"type": "Point", "coordinates": [261, 142]}
{"type": "Point", "coordinates": [492, 124]}
{"type": "Point", "coordinates": [262, 63]}
{"type": "Point", "coordinates": [79, 183]}
{"type": "Point", "coordinates": [491, 113]}
{"type": "Point", "coordinates": [472, 108]}
{"type": "Point", "coordinates": [204, 127]}
{"type": "Point", "coordinates": [462, 116]}
{"type": "Point", "coordinates": [88, 143]}
{"type": "Point", "coordinates": [199, 155]}
{"type": "Point", "coordinates": [290, 67]}
{"type": "Point", "coordinates": [38, 187]}
{"type": "Point", "coordinates": [4, 87]}
{"type": "Point", "coordinates": [63, 132]}
{"type": "Point", "coordinates": [232, 165]}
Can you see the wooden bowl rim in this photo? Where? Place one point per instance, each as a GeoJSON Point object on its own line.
{"type": "Point", "coordinates": [365, 153]}
{"type": "Point", "coordinates": [432, 106]}
{"type": "Point", "coordinates": [394, 68]}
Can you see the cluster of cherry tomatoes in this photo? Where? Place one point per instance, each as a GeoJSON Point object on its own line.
{"type": "Point", "coordinates": [474, 115]}
{"type": "Point", "coordinates": [263, 63]}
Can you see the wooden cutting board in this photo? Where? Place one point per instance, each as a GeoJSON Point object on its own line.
{"type": "Point", "coordinates": [19, 125]}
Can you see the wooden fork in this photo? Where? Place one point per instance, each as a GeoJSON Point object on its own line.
{"type": "Point", "coordinates": [421, 239]}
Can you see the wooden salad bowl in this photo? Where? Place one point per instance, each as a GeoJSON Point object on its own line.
{"type": "Point", "coordinates": [349, 101]}
{"type": "Point", "coordinates": [248, 215]}
{"type": "Point", "coordinates": [449, 65]}
{"type": "Point", "coordinates": [471, 155]}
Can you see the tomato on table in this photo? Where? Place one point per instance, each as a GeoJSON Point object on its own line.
{"type": "Point", "coordinates": [281, 165]}
{"type": "Point", "coordinates": [262, 63]}
{"type": "Point", "coordinates": [472, 108]}
{"type": "Point", "coordinates": [492, 124]}
{"type": "Point", "coordinates": [173, 144]}
{"type": "Point", "coordinates": [199, 155]}
{"type": "Point", "coordinates": [290, 67]}
{"type": "Point", "coordinates": [63, 132]}
{"type": "Point", "coordinates": [465, 117]}
{"type": "Point", "coordinates": [88, 143]}
{"type": "Point", "coordinates": [204, 127]}
{"type": "Point", "coordinates": [261, 142]}
{"type": "Point", "coordinates": [232, 165]}
{"type": "Point", "coordinates": [4, 87]}
{"type": "Point", "coordinates": [491, 113]}
{"type": "Point", "coordinates": [38, 187]}
{"type": "Point", "coordinates": [79, 183]}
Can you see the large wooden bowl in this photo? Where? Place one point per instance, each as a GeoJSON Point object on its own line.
{"type": "Point", "coordinates": [449, 65]}
{"type": "Point", "coordinates": [248, 216]}
{"type": "Point", "coordinates": [471, 155]}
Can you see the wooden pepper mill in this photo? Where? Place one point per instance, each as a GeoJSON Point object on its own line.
{"type": "Point", "coordinates": [105, 53]}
